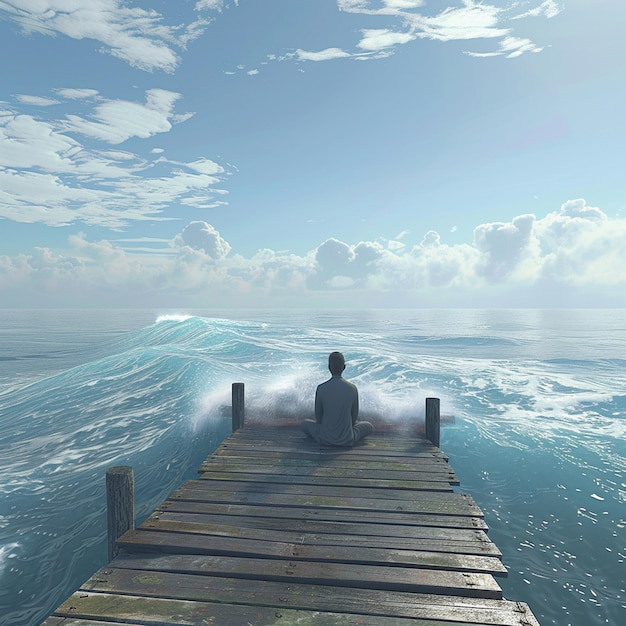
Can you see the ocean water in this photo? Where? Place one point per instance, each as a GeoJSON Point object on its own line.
{"type": "Point", "coordinates": [538, 438]}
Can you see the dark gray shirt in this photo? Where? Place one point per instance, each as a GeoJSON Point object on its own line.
{"type": "Point", "coordinates": [336, 409]}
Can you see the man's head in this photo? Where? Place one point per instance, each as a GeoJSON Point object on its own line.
{"type": "Point", "coordinates": [336, 363]}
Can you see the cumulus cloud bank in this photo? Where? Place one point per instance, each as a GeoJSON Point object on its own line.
{"type": "Point", "coordinates": [576, 246]}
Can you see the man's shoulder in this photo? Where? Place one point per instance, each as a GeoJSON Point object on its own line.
{"type": "Point", "coordinates": [351, 385]}
{"type": "Point", "coordinates": [338, 381]}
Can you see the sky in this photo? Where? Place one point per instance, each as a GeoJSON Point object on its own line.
{"type": "Point", "coordinates": [322, 153]}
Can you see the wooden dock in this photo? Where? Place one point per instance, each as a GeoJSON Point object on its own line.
{"type": "Point", "coordinates": [280, 531]}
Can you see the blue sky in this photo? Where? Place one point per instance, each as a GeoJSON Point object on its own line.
{"type": "Point", "coordinates": [312, 153]}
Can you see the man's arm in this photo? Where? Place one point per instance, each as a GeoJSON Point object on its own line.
{"type": "Point", "coordinates": [355, 406]}
{"type": "Point", "coordinates": [319, 410]}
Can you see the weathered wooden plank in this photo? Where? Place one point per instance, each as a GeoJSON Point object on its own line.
{"type": "Point", "coordinates": [433, 473]}
{"type": "Point", "coordinates": [387, 441]}
{"type": "Point", "coordinates": [400, 464]}
{"type": "Point", "coordinates": [175, 523]}
{"type": "Point", "coordinates": [396, 465]}
{"type": "Point", "coordinates": [72, 621]}
{"type": "Point", "coordinates": [265, 449]}
{"type": "Point", "coordinates": [318, 451]}
{"type": "Point", "coordinates": [369, 448]}
{"type": "Point", "coordinates": [297, 437]}
{"type": "Point", "coordinates": [314, 525]}
{"type": "Point", "coordinates": [162, 611]}
{"type": "Point", "coordinates": [365, 576]}
{"type": "Point", "coordinates": [308, 489]}
{"type": "Point", "coordinates": [458, 504]}
{"type": "Point", "coordinates": [252, 436]}
{"type": "Point", "coordinates": [395, 517]}
{"type": "Point", "coordinates": [142, 540]}
{"type": "Point", "coordinates": [467, 543]}
{"type": "Point", "coordinates": [329, 481]}
{"type": "Point", "coordinates": [163, 578]}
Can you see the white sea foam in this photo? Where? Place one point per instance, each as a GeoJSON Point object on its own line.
{"type": "Point", "coordinates": [173, 317]}
{"type": "Point", "coordinates": [7, 552]}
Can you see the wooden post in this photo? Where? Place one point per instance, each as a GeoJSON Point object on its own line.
{"type": "Point", "coordinates": [238, 409]}
{"type": "Point", "coordinates": [120, 487]}
{"type": "Point", "coordinates": [433, 421]}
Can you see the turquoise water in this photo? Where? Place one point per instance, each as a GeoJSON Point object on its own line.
{"type": "Point", "coordinates": [538, 439]}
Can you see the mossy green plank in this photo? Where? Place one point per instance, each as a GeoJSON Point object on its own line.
{"type": "Point", "coordinates": [295, 595]}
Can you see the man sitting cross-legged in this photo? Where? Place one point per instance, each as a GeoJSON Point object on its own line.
{"type": "Point", "coordinates": [336, 409]}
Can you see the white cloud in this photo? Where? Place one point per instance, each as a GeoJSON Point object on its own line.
{"type": "Point", "coordinates": [334, 255]}
{"type": "Point", "coordinates": [503, 245]}
{"type": "Point", "coordinates": [577, 247]}
{"type": "Point", "coordinates": [403, 4]}
{"type": "Point", "coordinates": [202, 236]}
{"type": "Point", "coordinates": [49, 177]}
{"type": "Point", "coordinates": [322, 55]}
{"type": "Point", "coordinates": [510, 47]}
{"type": "Point", "coordinates": [140, 37]}
{"type": "Point", "coordinates": [76, 94]}
{"type": "Point", "coordinates": [549, 9]}
{"type": "Point", "coordinates": [206, 166]}
{"type": "Point", "coordinates": [469, 20]}
{"type": "Point", "coordinates": [144, 39]}
{"type": "Point", "coordinates": [395, 245]}
{"type": "Point", "coordinates": [36, 100]}
{"type": "Point", "coordinates": [26, 142]}
{"type": "Point", "coordinates": [211, 5]}
{"type": "Point", "coordinates": [115, 121]}
{"type": "Point", "coordinates": [376, 39]}
{"type": "Point", "coordinates": [580, 245]}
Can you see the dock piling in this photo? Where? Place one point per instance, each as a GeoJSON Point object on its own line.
{"type": "Point", "coordinates": [433, 420]}
{"type": "Point", "coordinates": [238, 408]}
{"type": "Point", "coordinates": [120, 490]}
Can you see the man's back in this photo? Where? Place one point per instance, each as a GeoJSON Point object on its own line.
{"type": "Point", "coordinates": [336, 409]}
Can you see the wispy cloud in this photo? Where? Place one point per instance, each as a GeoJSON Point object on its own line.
{"type": "Point", "coordinates": [140, 37]}
{"type": "Point", "coordinates": [510, 47]}
{"type": "Point", "coordinates": [76, 94]}
{"type": "Point", "coordinates": [549, 9]}
{"type": "Point", "coordinates": [418, 19]}
{"type": "Point", "coordinates": [57, 172]}
{"type": "Point", "coordinates": [36, 100]}
{"type": "Point", "coordinates": [154, 41]}
{"type": "Point", "coordinates": [115, 121]}
{"type": "Point", "coordinates": [322, 55]}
